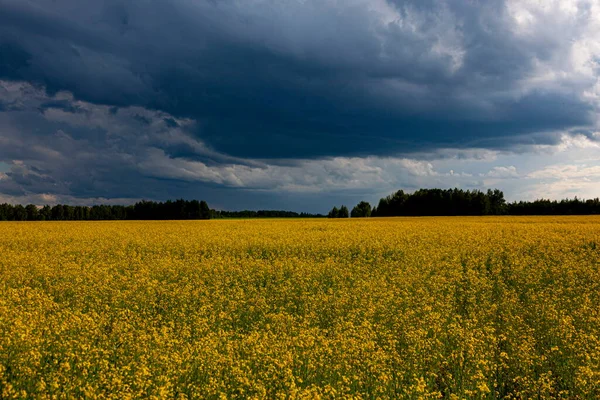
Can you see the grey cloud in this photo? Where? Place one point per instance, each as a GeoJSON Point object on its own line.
{"type": "Point", "coordinates": [244, 102]}
{"type": "Point", "coordinates": [509, 172]}
{"type": "Point", "coordinates": [82, 150]}
{"type": "Point", "coordinates": [83, 153]}
{"type": "Point", "coordinates": [315, 78]}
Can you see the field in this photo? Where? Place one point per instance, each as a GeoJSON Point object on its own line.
{"type": "Point", "coordinates": [493, 307]}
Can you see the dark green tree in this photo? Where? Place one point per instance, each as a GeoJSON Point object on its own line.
{"type": "Point", "coordinates": [361, 210]}
{"type": "Point", "coordinates": [334, 213]}
{"type": "Point", "coordinates": [19, 213]}
{"type": "Point", "coordinates": [204, 210]}
{"type": "Point", "coordinates": [442, 202]}
{"type": "Point", "coordinates": [32, 212]}
{"type": "Point", "coordinates": [58, 213]}
{"type": "Point", "coordinates": [343, 212]}
{"type": "Point", "coordinates": [5, 212]}
{"type": "Point", "coordinates": [46, 213]}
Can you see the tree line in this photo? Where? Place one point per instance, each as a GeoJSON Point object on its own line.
{"type": "Point", "coordinates": [432, 202]}
{"type": "Point", "coordinates": [552, 207]}
{"type": "Point", "coordinates": [362, 209]}
{"type": "Point", "coordinates": [440, 202]}
{"type": "Point", "coordinates": [142, 210]}
{"type": "Point", "coordinates": [263, 214]}
{"type": "Point", "coordinates": [341, 212]}
{"type": "Point", "coordinates": [423, 202]}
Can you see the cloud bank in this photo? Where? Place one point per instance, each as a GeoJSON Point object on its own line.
{"type": "Point", "coordinates": [124, 100]}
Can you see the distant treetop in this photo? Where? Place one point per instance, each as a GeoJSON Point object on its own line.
{"type": "Point", "coordinates": [424, 202]}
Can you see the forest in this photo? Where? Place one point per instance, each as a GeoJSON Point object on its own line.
{"type": "Point", "coordinates": [423, 202]}
{"type": "Point", "coordinates": [142, 210]}
{"type": "Point", "coordinates": [440, 202]}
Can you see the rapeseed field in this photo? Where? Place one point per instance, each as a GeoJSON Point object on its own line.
{"type": "Point", "coordinates": [409, 308]}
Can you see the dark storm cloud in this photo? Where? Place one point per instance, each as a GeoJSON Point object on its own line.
{"type": "Point", "coordinates": [58, 148]}
{"type": "Point", "coordinates": [293, 104]}
{"type": "Point", "coordinates": [290, 79]}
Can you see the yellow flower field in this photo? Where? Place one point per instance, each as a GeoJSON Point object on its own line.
{"type": "Point", "coordinates": [421, 308]}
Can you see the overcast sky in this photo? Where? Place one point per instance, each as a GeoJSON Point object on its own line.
{"type": "Point", "coordinates": [296, 104]}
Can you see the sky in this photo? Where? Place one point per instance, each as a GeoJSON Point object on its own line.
{"type": "Point", "coordinates": [296, 104]}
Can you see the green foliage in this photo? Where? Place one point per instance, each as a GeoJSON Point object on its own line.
{"type": "Point", "coordinates": [342, 212]}
{"type": "Point", "coordinates": [334, 213]}
{"type": "Point", "coordinates": [442, 202]}
{"type": "Point", "coordinates": [474, 202]}
{"type": "Point", "coordinates": [262, 214]}
{"type": "Point", "coordinates": [430, 202]}
{"type": "Point", "coordinates": [143, 210]}
{"type": "Point", "coordinates": [361, 210]}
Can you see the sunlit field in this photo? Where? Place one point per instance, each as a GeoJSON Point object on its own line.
{"type": "Point", "coordinates": [492, 307]}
